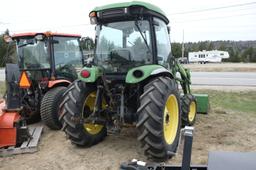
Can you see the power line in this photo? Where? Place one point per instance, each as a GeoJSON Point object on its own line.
{"type": "Point", "coordinates": [216, 8]}
{"type": "Point", "coordinates": [214, 18]}
{"type": "Point", "coordinates": [192, 11]}
{"type": "Point", "coordinates": [251, 8]}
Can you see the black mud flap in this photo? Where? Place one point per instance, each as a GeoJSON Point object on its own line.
{"type": "Point", "coordinates": [12, 77]}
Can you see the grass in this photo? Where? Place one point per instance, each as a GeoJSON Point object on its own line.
{"type": "Point", "coordinates": [236, 101]}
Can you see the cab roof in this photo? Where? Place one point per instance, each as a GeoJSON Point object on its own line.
{"type": "Point", "coordinates": [130, 4]}
{"type": "Point", "coordinates": [48, 34]}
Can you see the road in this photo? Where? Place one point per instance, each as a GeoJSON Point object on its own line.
{"type": "Point", "coordinates": [224, 78]}
{"type": "Point", "coordinates": [211, 78]}
{"type": "Point", "coordinates": [2, 74]}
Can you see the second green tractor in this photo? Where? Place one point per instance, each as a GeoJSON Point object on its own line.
{"type": "Point", "coordinates": [133, 80]}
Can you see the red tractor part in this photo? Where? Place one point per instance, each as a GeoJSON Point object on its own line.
{"type": "Point", "coordinates": [52, 83]}
{"type": "Point", "coordinates": [8, 131]}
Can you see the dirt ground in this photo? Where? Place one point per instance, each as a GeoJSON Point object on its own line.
{"type": "Point", "coordinates": [221, 129]}
{"type": "Point", "coordinates": [222, 67]}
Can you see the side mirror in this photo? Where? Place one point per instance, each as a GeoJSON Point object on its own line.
{"type": "Point", "coordinates": [87, 43]}
{"type": "Point", "coordinates": [8, 39]}
{"type": "Point", "coordinates": [39, 37]}
{"type": "Point", "coordinates": [87, 46]}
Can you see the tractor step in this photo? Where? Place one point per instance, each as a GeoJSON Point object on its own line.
{"type": "Point", "coordinates": [29, 146]}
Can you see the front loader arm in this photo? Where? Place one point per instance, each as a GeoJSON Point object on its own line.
{"type": "Point", "coordinates": [184, 79]}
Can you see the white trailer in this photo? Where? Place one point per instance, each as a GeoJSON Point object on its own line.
{"type": "Point", "coordinates": [214, 56]}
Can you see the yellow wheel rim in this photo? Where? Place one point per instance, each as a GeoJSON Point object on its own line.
{"type": "Point", "coordinates": [93, 128]}
{"type": "Point", "coordinates": [192, 111]}
{"type": "Point", "coordinates": [89, 102]}
{"type": "Point", "coordinates": [171, 119]}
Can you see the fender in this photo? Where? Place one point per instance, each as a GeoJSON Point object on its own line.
{"type": "Point", "coordinates": [95, 73]}
{"type": "Point", "coordinates": [52, 83]}
{"type": "Point", "coordinates": [144, 72]}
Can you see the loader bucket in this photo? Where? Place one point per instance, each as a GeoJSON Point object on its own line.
{"type": "Point", "coordinates": [202, 103]}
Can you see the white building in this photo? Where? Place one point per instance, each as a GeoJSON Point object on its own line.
{"type": "Point", "coordinates": [214, 56]}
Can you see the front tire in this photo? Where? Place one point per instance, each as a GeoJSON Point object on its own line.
{"type": "Point", "coordinates": [159, 119]}
{"type": "Point", "coordinates": [189, 109]}
{"type": "Point", "coordinates": [77, 105]}
{"type": "Point", "coordinates": [49, 109]}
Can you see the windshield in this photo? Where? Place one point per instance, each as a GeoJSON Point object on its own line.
{"type": "Point", "coordinates": [162, 43]}
{"type": "Point", "coordinates": [33, 53]}
{"type": "Point", "coordinates": [123, 45]}
{"type": "Point", "coordinates": [67, 52]}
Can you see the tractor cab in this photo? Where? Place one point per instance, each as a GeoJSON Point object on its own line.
{"type": "Point", "coordinates": [130, 35]}
{"type": "Point", "coordinates": [49, 55]}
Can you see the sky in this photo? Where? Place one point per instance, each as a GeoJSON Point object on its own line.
{"type": "Point", "coordinates": [199, 19]}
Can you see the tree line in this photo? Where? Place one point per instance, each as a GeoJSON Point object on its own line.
{"type": "Point", "coordinates": [239, 51]}
{"type": "Point", "coordinates": [7, 51]}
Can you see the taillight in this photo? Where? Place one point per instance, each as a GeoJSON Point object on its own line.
{"type": "Point", "coordinates": [85, 73]}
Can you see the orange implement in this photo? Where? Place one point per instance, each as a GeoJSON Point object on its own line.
{"type": "Point", "coordinates": [8, 132]}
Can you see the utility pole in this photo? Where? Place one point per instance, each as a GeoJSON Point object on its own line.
{"type": "Point", "coordinates": [182, 50]}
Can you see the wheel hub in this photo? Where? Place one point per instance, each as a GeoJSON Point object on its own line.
{"type": "Point", "coordinates": [90, 127]}
{"type": "Point", "coordinates": [171, 119]}
{"type": "Point", "coordinates": [192, 111]}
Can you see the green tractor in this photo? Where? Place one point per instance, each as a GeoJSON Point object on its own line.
{"type": "Point", "coordinates": [132, 81]}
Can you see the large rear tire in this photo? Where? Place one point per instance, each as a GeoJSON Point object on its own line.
{"type": "Point", "coordinates": [189, 109]}
{"type": "Point", "coordinates": [49, 109]}
{"type": "Point", "coordinates": [77, 105]}
{"type": "Point", "coordinates": [159, 119]}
